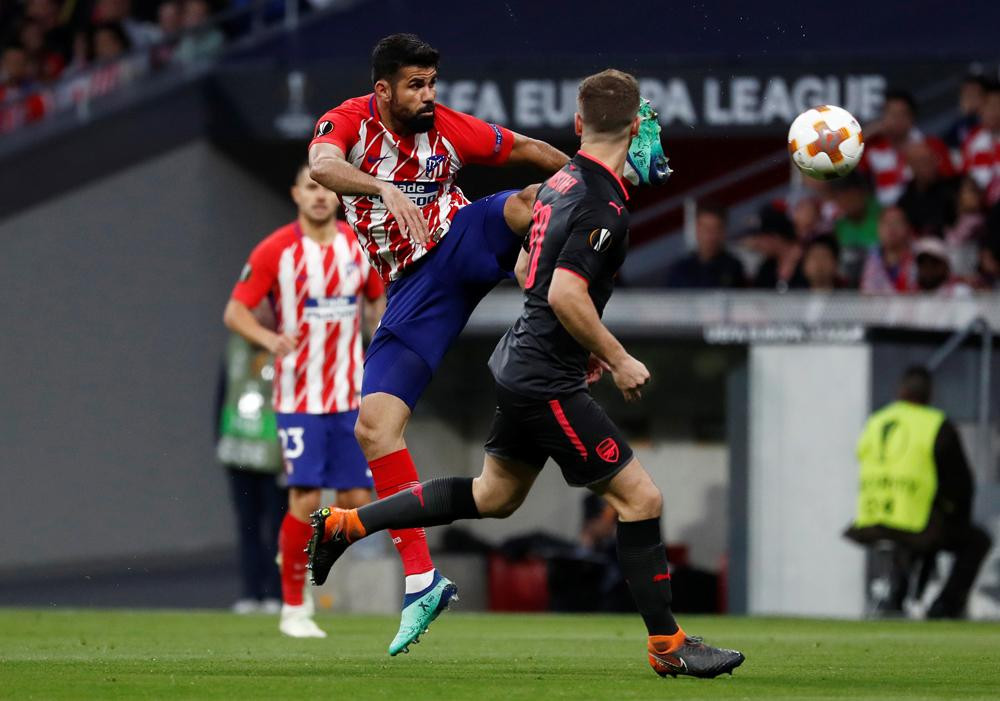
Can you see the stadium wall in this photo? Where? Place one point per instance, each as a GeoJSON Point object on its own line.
{"type": "Point", "coordinates": [114, 340]}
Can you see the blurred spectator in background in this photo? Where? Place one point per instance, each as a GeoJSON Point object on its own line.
{"type": "Point", "coordinates": [981, 152]}
{"type": "Point", "coordinates": [710, 265]}
{"type": "Point", "coordinates": [249, 448]}
{"type": "Point", "coordinates": [807, 218]}
{"type": "Point", "coordinates": [775, 240]}
{"type": "Point", "coordinates": [856, 226]}
{"type": "Point", "coordinates": [929, 199]}
{"type": "Point", "coordinates": [916, 489]}
{"type": "Point", "coordinates": [201, 40]}
{"type": "Point", "coordinates": [48, 63]}
{"type": "Point", "coordinates": [884, 159]}
{"type": "Point", "coordinates": [890, 266]}
{"type": "Point", "coordinates": [821, 264]}
{"type": "Point", "coordinates": [934, 269]}
{"type": "Point", "coordinates": [141, 34]}
{"type": "Point", "coordinates": [964, 234]}
{"type": "Point", "coordinates": [168, 18]}
{"type": "Point", "coordinates": [970, 100]}
{"type": "Point", "coordinates": [49, 17]}
{"type": "Point", "coordinates": [987, 275]}
{"type": "Point", "coordinates": [15, 70]}
{"type": "Point", "coordinates": [109, 42]}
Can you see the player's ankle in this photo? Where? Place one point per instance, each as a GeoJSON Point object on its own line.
{"type": "Point", "coordinates": [667, 643]}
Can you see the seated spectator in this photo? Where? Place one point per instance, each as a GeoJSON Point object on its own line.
{"type": "Point", "coordinates": [885, 141]}
{"type": "Point", "coordinates": [168, 16]}
{"type": "Point", "coordinates": [934, 269]}
{"type": "Point", "coordinates": [981, 152]}
{"type": "Point", "coordinates": [929, 199]}
{"type": "Point", "coordinates": [856, 226]}
{"type": "Point", "coordinates": [140, 34]}
{"type": "Point", "coordinates": [987, 275]}
{"type": "Point", "coordinates": [821, 264]}
{"type": "Point", "coordinates": [48, 61]}
{"type": "Point", "coordinates": [970, 100]}
{"type": "Point", "coordinates": [807, 218]}
{"type": "Point", "coordinates": [890, 267]}
{"type": "Point", "coordinates": [16, 72]}
{"type": "Point", "coordinates": [201, 39]}
{"type": "Point", "coordinates": [964, 233]}
{"type": "Point", "coordinates": [774, 239]}
{"type": "Point", "coordinates": [109, 42]}
{"type": "Point", "coordinates": [710, 265]}
{"type": "Point", "coordinates": [47, 13]}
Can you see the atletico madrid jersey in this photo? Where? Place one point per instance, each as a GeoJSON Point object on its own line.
{"type": "Point", "coordinates": [423, 166]}
{"type": "Point", "coordinates": [316, 290]}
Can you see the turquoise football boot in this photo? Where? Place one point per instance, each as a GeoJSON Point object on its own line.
{"type": "Point", "coordinates": [646, 163]}
{"type": "Point", "coordinates": [420, 610]}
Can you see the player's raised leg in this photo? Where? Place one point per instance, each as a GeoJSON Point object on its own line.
{"type": "Point", "coordinates": [496, 493]}
{"type": "Point", "coordinates": [517, 209]}
{"type": "Point", "coordinates": [643, 559]}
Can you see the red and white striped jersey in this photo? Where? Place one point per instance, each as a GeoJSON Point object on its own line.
{"type": "Point", "coordinates": [423, 166]}
{"type": "Point", "coordinates": [981, 159]}
{"type": "Point", "coordinates": [316, 290]}
{"type": "Point", "coordinates": [888, 168]}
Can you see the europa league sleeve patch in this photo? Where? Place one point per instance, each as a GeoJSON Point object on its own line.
{"type": "Point", "coordinates": [323, 128]}
{"type": "Point", "coordinates": [600, 239]}
{"type": "Point", "coordinates": [245, 273]}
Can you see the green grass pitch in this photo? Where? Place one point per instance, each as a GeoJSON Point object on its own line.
{"type": "Point", "coordinates": [51, 654]}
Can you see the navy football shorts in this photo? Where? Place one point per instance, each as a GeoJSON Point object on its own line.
{"type": "Point", "coordinates": [321, 451]}
{"type": "Point", "coordinates": [428, 306]}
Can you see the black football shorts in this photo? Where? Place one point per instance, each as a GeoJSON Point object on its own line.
{"type": "Point", "coordinates": [572, 429]}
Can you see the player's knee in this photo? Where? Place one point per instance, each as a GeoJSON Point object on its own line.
{"type": "Point", "coordinates": [528, 195]}
{"type": "Point", "coordinates": [368, 433]}
{"type": "Point", "coordinates": [646, 503]}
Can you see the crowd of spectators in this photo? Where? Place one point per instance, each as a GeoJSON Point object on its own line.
{"type": "Point", "coordinates": [45, 40]}
{"type": "Point", "coordinates": [920, 214]}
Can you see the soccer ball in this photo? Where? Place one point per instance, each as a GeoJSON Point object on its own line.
{"type": "Point", "coordinates": [825, 142]}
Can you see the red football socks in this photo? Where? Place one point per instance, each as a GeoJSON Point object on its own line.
{"type": "Point", "coordinates": [393, 473]}
{"type": "Point", "coordinates": [292, 541]}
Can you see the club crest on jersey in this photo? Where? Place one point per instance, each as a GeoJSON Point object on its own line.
{"type": "Point", "coordinates": [324, 128]}
{"type": "Point", "coordinates": [600, 240]}
{"type": "Point", "coordinates": [434, 162]}
{"type": "Point", "coordinates": [245, 273]}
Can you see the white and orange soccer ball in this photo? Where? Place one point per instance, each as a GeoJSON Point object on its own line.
{"type": "Point", "coordinates": [825, 142]}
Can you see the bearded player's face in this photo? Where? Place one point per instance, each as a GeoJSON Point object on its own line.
{"type": "Point", "coordinates": [412, 98]}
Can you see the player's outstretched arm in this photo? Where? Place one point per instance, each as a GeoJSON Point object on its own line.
{"type": "Point", "coordinates": [572, 305]}
{"type": "Point", "coordinates": [240, 319]}
{"type": "Point", "coordinates": [328, 167]}
{"type": "Point", "coordinates": [537, 153]}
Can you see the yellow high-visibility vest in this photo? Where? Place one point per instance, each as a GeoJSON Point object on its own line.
{"type": "Point", "coordinates": [898, 478]}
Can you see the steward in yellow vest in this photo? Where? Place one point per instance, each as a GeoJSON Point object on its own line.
{"type": "Point", "coordinates": [915, 488]}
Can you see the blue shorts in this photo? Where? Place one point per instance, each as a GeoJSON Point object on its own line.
{"type": "Point", "coordinates": [429, 306]}
{"type": "Point", "coordinates": [321, 451]}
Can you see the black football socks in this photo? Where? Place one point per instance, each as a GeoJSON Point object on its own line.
{"type": "Point", "coordinates": [643, 559]}
{"type": "Point", "coordinates": [433, 503]}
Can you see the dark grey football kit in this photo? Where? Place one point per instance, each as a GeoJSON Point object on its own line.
{"type": "Point", "coordinates": [544, 409]}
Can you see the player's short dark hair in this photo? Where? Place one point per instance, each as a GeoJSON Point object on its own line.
{"type": "Point", "coordinates": [608, 101]}
{"type": "Point", "coordinates": [303, 166]}
{"type": "Point", "coordinates": [991, 87]}
{"type": "Point", "coordinates": [916, 385]}
{"type": "Point", "coordinates": [398, 50]}
{"type": "Point", "coordinates": [904, 97]}
{"type": "Point", "coordinates": [713, 208]}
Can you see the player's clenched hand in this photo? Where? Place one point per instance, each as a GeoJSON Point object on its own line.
{"type": "Point", "coordinates": [411, 220]}
{"type": "Point", "coordinates": [595, 369]}
{"type": "Point", "coordinates": [280, 344]}
{"type": "Point", "coordinates": [630, 375]}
